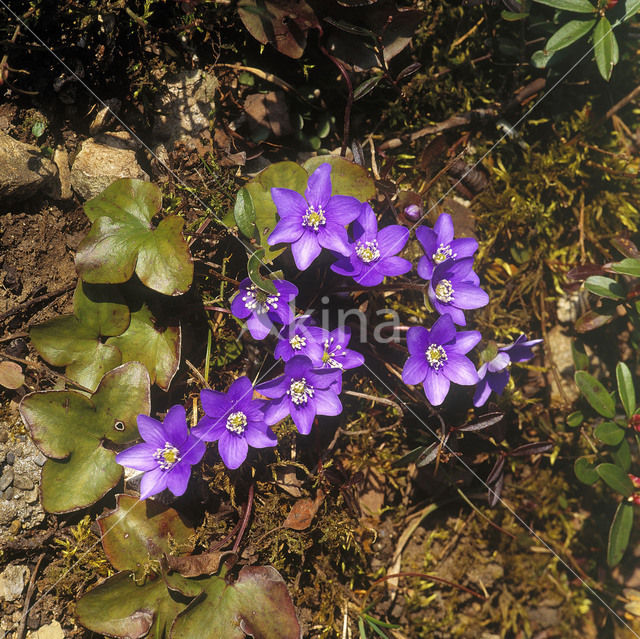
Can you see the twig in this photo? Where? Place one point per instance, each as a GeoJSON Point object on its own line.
{"type": "Point", "coordinates": [491, 523]}
{"type": "Point", "coordinates": [430, 578]}
{"type": "Point", "coordinates": [35, 300]}
{"type": "Point", "coordinates": [245, 520]}
{"type": "Point", "coordinates": [25, 611]}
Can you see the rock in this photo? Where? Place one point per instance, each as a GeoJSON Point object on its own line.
{"type": "Point", "coordinates": [22, 483]}
{"type": "Point", "coordinates": [98, 165]}
{"type": "Point", "coordinates": [6, 478]}
{"type": "Point", "coordinates": [12, 582]}
{"type": "Point", "coordinates": [40, 459]}
{"type": "Point", "coordinates": [559, 348]}
{"type": "Point", "coordinates": [8, 494]}
{"type": "Point", "coordinates": [50, 631]}
{"type": "Point", "coordinates": [183, 106]}
{"type": "Point", "coordinates": [32, 496]}
{"type": "Point", "coordinates": [24, 171]}
{"type": "Point", "coordinates": [11, 457]}
{"type": "Point", "coordinates": [61, 159]}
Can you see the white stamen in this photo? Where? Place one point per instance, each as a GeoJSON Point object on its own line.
{"type": "Point", "coordinates": [237, 422]}
{"type": "Point", "coordinates": [368, 251]}
{"type": "Point", "coordinates": [258, 301]}
{"type": "Point", "coordinates": [444, 291]}
{"type": "Point", "coordinates": [298, 342]}
{"type": "Point", "coordinates": [436, 356]}
{"type": "Point", "coordinates": [314, 218]}
{"type": "Point", "coordinates": [300, 391]}
{"type": "Point", "coordinates": [443, 253]}
{"type": "Point", "coordinates": [167, 457]}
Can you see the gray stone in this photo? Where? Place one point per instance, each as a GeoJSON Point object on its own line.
{"type": "Point", "coordinates": [40, 459]}
{"type": "Point", "coordinates": [50, 631]}
{"type": "Point", "coordinates": [6, 478]}
{"type": "Point", "coordinates": [98, 165]}
{"type": "Point", "coordinates": [8, 494]}
{"type": "Point", "coordinates": [24, 171]}
{"type": "Point", "coordinates": [183, 106]}
{"type": "Point", "coordinates": [12, 582]}
{"type": "Point", "coordinates": [22, 482]}
{"type": "Point", "coordinates": [32, 496]}
{"type": "Point", "coordinates": [11, 457]}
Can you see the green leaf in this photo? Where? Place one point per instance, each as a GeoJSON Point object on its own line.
{"type": "Point", "coordinates": [245, 214]}
{"type": "Point", "coordinates": [568, 33]}
{"type": "Point", "coordinates": [256, 604]}
{"type": "Point", "coordinates": [631, 7]}
{"type": "Point", "coordinates": [253, 270]}
{"type": "Point", "coordinates": [628, 266]}
{"type": "Point", "coordinates": [585, 471]}
{"type": "Point", "coordinates": [579, 355]}
{"type": "Point", "coordinates": [137, 531]}
{"type": "Point", "coordinates": [609, 433]}
{"type": "Point", "coordinates": [77, 341]}
{"type": "Point", "coordinates": [511, 16]}
{"type": "Point", "coordinates": [541, 58]}
{"type": "Point", "coordinates": [347, 178]}
{"type": "Point", "coordinates": [157, 347]}
{"type": "Point", "coordinates": [605, 48]}
{"type": "Point", "coordinates": [622, 455]}
{"type": "Point", "coordinates": [626, 389]}
{"type": "Point", "coordinates": [596, 394]}
{"type": "Point", "coordinates": [284, 175]}
{"type": "Point", "coordinates": [119, 607]}
{"type": "Point", "coordinates": [575, 419]}
{"type": "Point", "coordinates": [577, 6]}
{"type": "Point", "coordinates": [605, 287]}
{"type": "Point", "coordinates": [366, 87]}
{"type": "Point", "coordinates": [122, 240]}
{"type": "Point", "coordinates": [70, 429]}
{"type": "Point", "coordinates": [619, 533]}
{"type": "Point", "coordinates": [616, 478]}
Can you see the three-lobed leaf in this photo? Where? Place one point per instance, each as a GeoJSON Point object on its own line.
{"type": "Point", "coordinates": [122, 240]}
{"type": "Point", "coordinates": [70, 429]}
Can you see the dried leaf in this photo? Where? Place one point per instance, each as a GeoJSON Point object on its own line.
{"type": "Point", "coordinates": [302, 512]}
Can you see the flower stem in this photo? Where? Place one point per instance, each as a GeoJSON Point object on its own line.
{"type": "Point", "coordinates": [245, 520]}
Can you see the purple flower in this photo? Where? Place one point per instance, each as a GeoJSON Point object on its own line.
{"type": "Point", "coordinates": [439, 245]}
{"type": "Point", "coordinates": [494, 374]}
{"type": "Point", "coordinates": [437, 358]}
{"type": "Point", "coordinates": [453, 288]}
{"type": "Point", "coordinates": [335, 353]}
{"type": "Point", "coordinates": [167, 454]}
{"type": "Point", "coordinates": [373, 252]}
{"type": "Point", "coordinates": [300, 338]}
{"type": "Point", "coordinates": [235, 420]}
{"type": "Point", "coordinates": [263, 309]}
{"type": "Point", "coordinates": [315, 222]}
{"type": "Point", "coordinates": [302, 392]}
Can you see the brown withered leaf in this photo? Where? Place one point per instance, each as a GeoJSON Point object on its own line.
{"type": "Point", "coordinates": [196, 565]}
{"type": "Point", "coordinates": [303, 512]}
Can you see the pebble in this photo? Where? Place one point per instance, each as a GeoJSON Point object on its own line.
{"type": "Point", "coordinates": [11, 457]}
{"type": "Point", "coordinates": [8, 494]}
{"type": "Point", "coordinates": [6, 478]}
{"type": "Point", "coordinates": [22, 482]}
{"type": "Point", "coordinates": [32, 496]}
{"type": "Point", "coordinates": [50, 631]}
{"type": "Point", "coordinates": [12, 582]}
{"type": "Point", "coordinates": [40, 459]}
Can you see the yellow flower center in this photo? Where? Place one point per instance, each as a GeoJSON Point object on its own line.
{"type": "Point", "coordinates": [443, 253]}
{"type": "Point", "coordinates": [436, 356]}
{"type": "Point", "coordinates": [298, 342]}
{"type": "Point", "coordinates": [237, 422]}
{"type": "Point", "coordinates": [167, 457]}
{"type": "Point", "coordinates": [313, 218]}
{"type": "Point", "coordinates": [444, 291]}
{"type": "Point", "coordinates": [300, 391]}
{"type": "Point", "coordinates": [368, 251]}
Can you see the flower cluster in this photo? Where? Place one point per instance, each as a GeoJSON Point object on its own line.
{"type": "Point", "coordinates": [314, 358]}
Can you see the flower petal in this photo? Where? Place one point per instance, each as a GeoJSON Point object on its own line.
{"type": "Point", "coordinates": [287, 230]}
{"type": "Point", "coordinates": [394, 266]}
{"type": "Point", "coordinates": [327, 402]}
{"type": "Point", "coordinates": [260, 436]}
{"type": "Point", "coordinates": [415, 370]}
{"type": "Point", "coordinates": [370, 275]}
{"type": "Point", "coordinates": [153, 482]}
{"type": "Point", "coordinates": [318, 189]}
{"type": "Point", "coordinates": [286, 289]}
{"type": "Point", "coordinates": [233, 449]}
{"type": "Point", "coordinates": [178, 479]}
{"type": "Point", "coordinates": [418, 339]}
{"type": "Point", "coordinates": [481, 394]}
{"type": "Point", "coordinates": [425, 268]}
{"type": "Point", "coordinates": [428, 239]}
{"type": "Point", "coordinates": [240, 392]}
{"type": "Point", "coordinates": [443, 228]}
{"type": "Point", "coordinates": [443, 331]}
{"type": "Point", "coordinates": [175, 425]}
{"type": "Point", "coordinates": [463, 247]}
{"type": "Point", "coordinates": [468, 296]}
{"type": "Point", "coordinates": [343, 209]}
{"type": "Point", "coordinates": [498, 363]}
{"type": "Point", "coordinates": [366, 221]}
{"type": "Point", "coordinates": [193, 451]}
{"type": "Point", "coordinates": [214, 403]}
{"type": "Point", "coordinates": [151, 430]}
{"type": "Point", "coordinates": [275, 387]}
{"type": "Point", "coordinates": [460, 370]}
{"type": "Point", "coordinates": [238, 306]}
{"type": "Point", "coordinates": [334, 237]}
{"type": "Point", "coordinates": [498, 381]}
{"type": "Point", "coordinates": [259, 325]}
{"type": "Point", "coordinates": [436, 386]}
{"type": "Point", "coordinates": [277, 410]}
{"type": "Point", "coordinates": [289, 203]}
{"type": "Point", "coordinates": [305, 250]}
{"type": "Point", "coordinates": [465, 341]}
{"type": "Point", "coordinates": [348, 266]}
{"type": "Point", "coordinates": [392, 239]}
{"type": "Point", "coordinates": [303, 417]}
{"type": "Point", "coordinates": [210, 429]}
{"type": "Point", "coordinates": [139, 457]}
